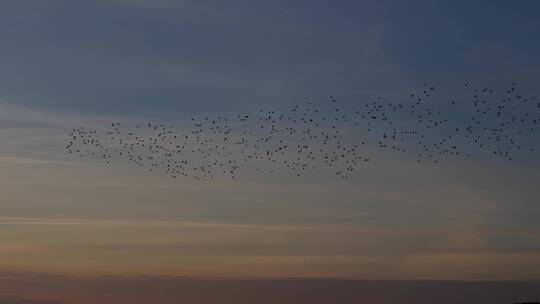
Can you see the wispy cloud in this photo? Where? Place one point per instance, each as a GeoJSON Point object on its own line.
{"type": "Point", "coordinates": [165, 60]}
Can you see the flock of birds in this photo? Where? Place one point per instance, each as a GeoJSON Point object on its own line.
{"type": "Point", "coordinates": [310, 136]}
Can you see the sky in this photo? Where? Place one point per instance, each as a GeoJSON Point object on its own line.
{"type": "Point", "coordinates": [70, 63]}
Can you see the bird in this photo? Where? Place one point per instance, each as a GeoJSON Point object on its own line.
{"type": "Point", "coordinates": [326, 135]}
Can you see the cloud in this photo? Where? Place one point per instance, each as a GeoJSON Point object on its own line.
{"type": "Point", "coordinates": [32, 161]}
{"type": "Point", "coordinates": [166, 60]}
{"type": "Point", "coordinates": [228, 249]}
{"type": "Point", "coordinates": [400, 211]}
{"type": "Point", "coordinates": [216, 57]}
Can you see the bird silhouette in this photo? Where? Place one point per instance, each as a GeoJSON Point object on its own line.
{"type": "Point", "coordinates": [312, 136]}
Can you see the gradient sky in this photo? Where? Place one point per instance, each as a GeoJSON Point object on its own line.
{"type": "Point", "coordinates": [68, 63]}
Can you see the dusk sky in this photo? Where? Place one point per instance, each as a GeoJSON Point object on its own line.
{"type": "Point", "coordinates": [66, 64]}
